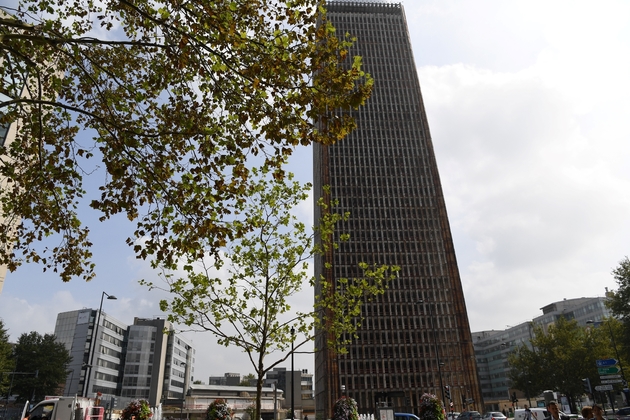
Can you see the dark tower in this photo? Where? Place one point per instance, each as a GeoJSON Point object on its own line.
{"type": "Point", "coordinates": [416, 337]}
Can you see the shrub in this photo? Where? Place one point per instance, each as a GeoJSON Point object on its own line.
{"type": "Point", "coordinates": [345, 408]}
{"type": "Point", "coordinates": [219, 410]}
{"type": "Point", "coordinates": [138, 410]}
{"type": "Point", "coordinates": [430, 408]}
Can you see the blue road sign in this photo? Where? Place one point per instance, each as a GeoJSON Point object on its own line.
{"type": "Point", "coordinates": [606, 362]}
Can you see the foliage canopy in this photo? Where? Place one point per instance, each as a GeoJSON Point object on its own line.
{"type": "Point", "coordinates": [42, 362]}
{"type": "Point", "coordinates": [6, 363]}
{"type": "Point", "coordinates": [248, 298]}
{"type": "Point", "coordinates": [619, 304]}
{"type": "Point", "coordinates": [558, 358]}
{"type": "Point", "coordinates": [178, 98]}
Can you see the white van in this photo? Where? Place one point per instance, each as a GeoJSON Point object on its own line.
{"type": "Point", "coordinates": [538, 413]}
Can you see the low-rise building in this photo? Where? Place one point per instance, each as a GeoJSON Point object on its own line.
{"type": "Point", "coordinates": [241, 399]}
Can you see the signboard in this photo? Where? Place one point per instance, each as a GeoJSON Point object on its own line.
{"type": "Point", "coordinates": [83, 317]}
{"type": "Point", "coordinates": [606, 362]}
{"type": "Point", "coordinates": [608, 370]}
{"type": "Point", "coordinates": [386, 413]}
{"type": "Point", "coordinates": [610, 377]}
{"type": "Point", "coordinates": [603, 388]}
{"type": "Point", "coordinates": [612, 381]}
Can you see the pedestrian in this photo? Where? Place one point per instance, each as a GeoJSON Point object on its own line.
{"type": "Point", "coordinates": [305, 417]}
{"type": "Point", "coordinates": [587, 412]}
{"type": "Point", "coordinates": [598, 412]}
{"type": "Point", "coordinates": [554, 411]}
{"type": "Point", "coordinates": [527, 415]}
{"type": "Point", "coordinates": [78, 412]}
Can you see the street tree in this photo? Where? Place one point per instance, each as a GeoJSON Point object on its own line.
{"type": "Point", "coordinates": [42, 365]}
{"type": "Point", "coordinates": [618, 302]}
{"type": "Point", "coordinates": [168, 105]}
{"type": "Point", "coordinates": [249, 298]}
{"type": "Point", "coordinates": [246, 380]}
{"type": "Point", "coordinates": [558, 358]}
{"type": "Point", "coordinates": [6, 363]}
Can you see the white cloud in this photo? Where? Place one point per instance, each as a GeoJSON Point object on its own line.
{"type": "Point", "coordinates": [534, 166]}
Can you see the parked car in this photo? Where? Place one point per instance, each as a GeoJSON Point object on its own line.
{"type": "Point", "coordinates": [469, 415]}
{"type": "Point", "coordinates": [623, 413]}
{"type": "Point", "coordinates": [494, 415]}
{"type": "Point", "coordinates": [405, 416]}
{"type": "Point", "coordinates": [452, 415]}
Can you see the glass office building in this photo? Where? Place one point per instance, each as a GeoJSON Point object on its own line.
{"type": "Point", "coordinates": [145, 360]}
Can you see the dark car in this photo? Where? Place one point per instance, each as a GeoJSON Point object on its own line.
{"type": "Point", "coordinates": [469, 415]}
{"type": "Point", "coordinates": [623, 414]}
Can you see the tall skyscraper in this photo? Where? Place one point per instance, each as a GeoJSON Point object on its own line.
{"type": "Point", "coordinates": [416, 337]}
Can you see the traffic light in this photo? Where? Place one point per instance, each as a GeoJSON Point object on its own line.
{"type": "Point", "coordinates": [464, 399]}
{"type": "Point", "coordinates": [514, 399]}
{"type": "Point", "coordinates": [447, 392]}
{"type": "Point", "coordinates": [586, 383]}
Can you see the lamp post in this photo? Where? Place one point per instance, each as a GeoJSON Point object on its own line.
{"type": "Point", "coordinates": [86, 387]}
{"type": "Point", "coordinates": [181, 407]}
{"type": "Point", "coordinates": [66, 391]}
{"type": "Point", "coordinates": [275, 401]}
{"type": "Point", "coordinates": [292, 374]}
{"type": "Point", "coordinates": [505, 349]}
{"type": "Point", "coordinates": [437, 355]}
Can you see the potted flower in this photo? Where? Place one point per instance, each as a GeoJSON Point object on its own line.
{"type": "Point", "coordinates": [219, 410]}
{"type": "Point", "coordinates": [430, 408]}
{"type": "Point", "coordinates": [345, 408]}
{"type": "Point", "coordinates": [137, 410]}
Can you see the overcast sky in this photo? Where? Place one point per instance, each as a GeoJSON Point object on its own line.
{"type": "Point", "coordinates": [529, 108]}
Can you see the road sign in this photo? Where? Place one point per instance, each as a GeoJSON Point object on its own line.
{"type": "Point", "coordinates": [608, 370]}
{"type": "Point", "coordinates": [604, 388]}
{"type": "Point", "coordinates": [606, 362]}
{"type": "Point", "coordinates": [609, 376]}
{"type": "Point", "coordinates": [612, 381]}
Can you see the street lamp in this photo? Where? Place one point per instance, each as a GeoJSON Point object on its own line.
{"type": "Point", "coordinates": [181, 407]}
{"type": "Point", "coordinates": [437, 355]}
{"type": "Point", "coordinates": [93, 343]}
{"type": "Point", "coordinates": [292, 374]}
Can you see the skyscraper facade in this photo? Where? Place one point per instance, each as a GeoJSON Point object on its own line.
{"type": "Point", "coordinates": [416, 337]}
